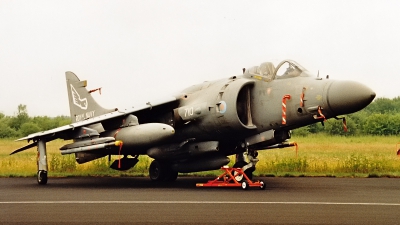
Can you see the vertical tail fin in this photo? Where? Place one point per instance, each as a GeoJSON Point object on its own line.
{"type": "Point", "coordinates": [81, 103]}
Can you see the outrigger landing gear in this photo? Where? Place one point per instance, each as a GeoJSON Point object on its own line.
{"type": "Point", "coordinates": [42, 162]}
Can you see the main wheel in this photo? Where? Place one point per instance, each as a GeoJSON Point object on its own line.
{"type": "Point", "coordinates": [157, 171]}
{"type": "Point", "coordinates": [171, 176]}
{"type": "Point", "coordinates": [42, 177]}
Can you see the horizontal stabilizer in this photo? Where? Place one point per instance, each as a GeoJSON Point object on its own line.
{"type": "Point", "coordinates": [33, 144]}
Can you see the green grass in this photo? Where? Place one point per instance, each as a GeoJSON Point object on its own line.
{"type": "Point", "coordinates": [324, 155]}
{"type": "Point", "coordinates": [318, 155]}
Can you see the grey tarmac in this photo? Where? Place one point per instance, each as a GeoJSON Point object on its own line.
{"type": "Point", "coordinates": [137, 200]}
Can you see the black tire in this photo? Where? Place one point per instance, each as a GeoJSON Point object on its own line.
{"type": "Point", "coordinates": [42, 177]}
{"type": "Point", "coordinates": [249, 172]}
{"type": "Point", "coordinates": [171, 176]}
{"type": "Point", "coordinates": [157, 171]}
{"type": "Point", "coordinates": [245, 185]}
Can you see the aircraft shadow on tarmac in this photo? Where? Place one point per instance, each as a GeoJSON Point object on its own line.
{"type": "Point", "coordinates": [132, 182]}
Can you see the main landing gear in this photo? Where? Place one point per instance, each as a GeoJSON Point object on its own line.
{"type": "Point", "coordinates": [162, 171]}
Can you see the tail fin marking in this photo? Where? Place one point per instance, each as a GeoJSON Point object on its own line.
{"type": "Point", "coordinates": [81, 103]}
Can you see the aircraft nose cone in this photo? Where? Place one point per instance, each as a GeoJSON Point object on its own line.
{"type": "Point", "coordinates": [346, 97]}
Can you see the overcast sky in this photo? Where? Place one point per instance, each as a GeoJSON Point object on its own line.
{"type": "Point", "coordinates": [143, 50]}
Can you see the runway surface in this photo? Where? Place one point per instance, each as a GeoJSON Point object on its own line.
{"type": "Point", "coordinates": [131, 200]}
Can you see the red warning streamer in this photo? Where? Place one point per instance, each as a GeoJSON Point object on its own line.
{"type": "Point", "coordinates": [398, 151]}
{"type": "Point", "coordinates": [284, 108]}
{"type": "Point", "coordinates": [344, 124]}
{"type": "Point", "coordinates": [320, 115]}
{"type": "Point", "coordinates": [119, 155]}
{"type": "Point", "coordinates": [302, 97]}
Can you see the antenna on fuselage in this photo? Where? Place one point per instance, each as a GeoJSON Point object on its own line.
{"type": "Point", "coordinates": [318, 78]}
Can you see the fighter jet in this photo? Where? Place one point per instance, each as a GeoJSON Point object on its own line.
{"type": "Point", "coordinates": [197, 129]}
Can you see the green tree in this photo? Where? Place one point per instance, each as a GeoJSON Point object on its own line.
{"type": "Point", "coordinates": [384, 105]}
{"type": "Point", "coordinates": [382, 124]}
{"type": "Point", "coordinates": [21, 117]}
{"type": "Point", "coordinates": [5, 130]}
{"type": "Point", "coordinates": [315, 128]}
{"type": "Point", "coordinates": [47, 123]}
{"type": "Point", "coordinates": [301, 131]}
{"type": "Point", "coordinates": [29, 128]}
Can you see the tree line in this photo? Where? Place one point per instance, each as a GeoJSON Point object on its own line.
{"type": "Point", "coordinates": [21, 124]}
{"type": "Point", "coordinates": [381, 117]}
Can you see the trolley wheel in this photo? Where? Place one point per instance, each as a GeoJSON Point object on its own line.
{"type": "Point", "coordinates": [262, 185]}
{"type": "Point", "coordinates": [42, 177]}
{"type": "Point", "coordinates": [245, 185]}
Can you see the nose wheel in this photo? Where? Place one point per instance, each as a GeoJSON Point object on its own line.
{"type": "Point", "coordinates": [249, 172]}
{"type": "Point", "coordinates": [247, 167]}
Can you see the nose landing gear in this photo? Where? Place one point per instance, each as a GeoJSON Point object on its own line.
{"type": "Point", "coordinates": [247, 167]}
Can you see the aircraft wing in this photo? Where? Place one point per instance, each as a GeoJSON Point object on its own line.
{"type": "Point", "coordinates": [64, 132]}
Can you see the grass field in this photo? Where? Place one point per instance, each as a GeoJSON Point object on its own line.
{"type": "Point", "coordinates": [318, 155]}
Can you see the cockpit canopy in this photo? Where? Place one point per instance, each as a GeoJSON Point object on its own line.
{"type": "Point", "coordinates": [286, 69]}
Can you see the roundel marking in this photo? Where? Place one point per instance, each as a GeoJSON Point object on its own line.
{"type": "Point", "coordinates": [222, 106]}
